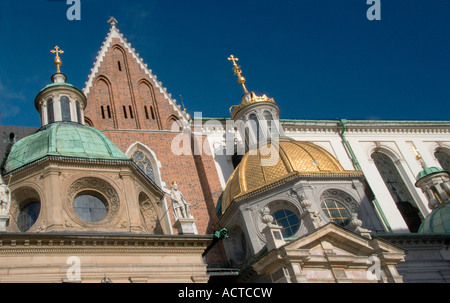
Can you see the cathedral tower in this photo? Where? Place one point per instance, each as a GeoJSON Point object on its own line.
{"type": "Point", "coordinates": [128, 103]}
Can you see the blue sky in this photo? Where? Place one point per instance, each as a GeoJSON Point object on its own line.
{"type": "Point", "coordinates": [319, 59]}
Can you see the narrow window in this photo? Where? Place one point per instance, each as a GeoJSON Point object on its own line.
{"type": "Point", "coordinates": [50, 115]}
{"type": "Point", "coordinates": [109, 111]}
{"type": "Point", "coordinates": [118, 65]}
{"type": "Point", "coordinates": [254, 124]}
{"type": "Point", "coordinates": [103, 112]}
{"type": "Point", "coordinates": [124, 112]}
{"type": "Point", "coordinates": [65, 109]}
{"type": "Point", "coordinates": [131, 111]}
{"type": "Point", "coordinates": [78, 108]}
{"type": "Point", "coordinates": [153, 112]}
{"type": "Point", "coordinates": [270, 123]}
{"type": "Point", "coordinates": [146, 112]}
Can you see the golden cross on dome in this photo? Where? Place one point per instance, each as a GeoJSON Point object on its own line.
{"type": "Point", "coordinates": [238, 71]}
{"type": "Point", "coordinates": [416, 151]}
{"type": "Point", "coordinates": [57, 61]}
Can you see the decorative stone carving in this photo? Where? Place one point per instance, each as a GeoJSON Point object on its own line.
{"type": "Point", "coordinates": [311, 218]}
{"type": "Point", "coordinates": [356, 225]}
{"type": "Point", "coordinates": [5, 204]}
{"type": "Point", "coordinates": [5, 198]}
{"type": "Point", "coordinates": [266, 217]}
{"type": "Point", "coordinates": [272, 232]}
{"type": "Point", "coordinates": [341, 196]}
{"type": "Point", "coordinates": [148, 213]}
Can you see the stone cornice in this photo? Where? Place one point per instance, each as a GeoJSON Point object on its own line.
{"type": "Point", "coordinates": [299, 176]}
{"type": "Point", "coordinates": [352, 126]}
{"type": "Point", "coordinates": [47, 243]}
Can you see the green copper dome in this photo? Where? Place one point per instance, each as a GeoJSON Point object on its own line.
{"type": "Point", "coordinates": [64, 140]}
{"type": "Point", "coordinates": [438, 222]}
{"type": "Point", "coordinates": [427, 171]}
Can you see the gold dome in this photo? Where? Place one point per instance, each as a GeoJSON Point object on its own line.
{"type": "Point", "coordinates": [295, 158]}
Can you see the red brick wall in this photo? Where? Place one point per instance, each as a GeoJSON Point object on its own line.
{"type": "Point", "coordinates": [121, 84]}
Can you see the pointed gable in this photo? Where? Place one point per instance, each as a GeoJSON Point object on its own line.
{"type": "Point", "coordinates": [123, 93]}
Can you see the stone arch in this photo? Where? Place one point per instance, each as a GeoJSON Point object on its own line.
{"type": "Point", "coordinates": [342, 198]}
{"type": "Point", "coordinates": [20, 197]}
{"type": "Point", "coordinates": [380, 147]}
{"type": "Point", "coordinates": [152, 159]}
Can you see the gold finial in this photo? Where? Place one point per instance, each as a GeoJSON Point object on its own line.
{"type": "Point", "coordinates": [57, 61]}
{"type": "Point", "coordinates": [238, 72]}
{"type": "Point", "coordinates": [418, 156]}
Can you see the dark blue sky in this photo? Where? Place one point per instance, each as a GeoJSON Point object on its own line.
{"type": "Point", "coordinates": [319, 59]}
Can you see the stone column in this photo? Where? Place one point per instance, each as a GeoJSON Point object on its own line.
{"type": "Point", "coordinates": [132, 203]}
{"type": "Point", "coordinates": [53, 205]}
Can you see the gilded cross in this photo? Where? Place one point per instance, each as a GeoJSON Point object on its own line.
{"type": "Point", "coordinates": [236, 68]}
{"type": "Point", "coordinates": [238, 71]}
{"type": "Point", "coordinates": [57, 61]}
{"type": "Point", "coordinates": [416, 151]}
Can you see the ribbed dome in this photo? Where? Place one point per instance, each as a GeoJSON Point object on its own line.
{"type": "Point", "coordinates": [427, 171]}
{"type": "Point", "coordinates": [295, 157]}
{"type": "Point", "coordinates": [438, 222]}
{"type": "Point", "coordinates": [65, 140]}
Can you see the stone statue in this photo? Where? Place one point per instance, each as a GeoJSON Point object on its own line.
{"type": "Point", "coordinates": [5, 198]}
{"type": "Point", "coordinates": [266, 217]}
{"type": "Point", "coordinates": [180, 206]}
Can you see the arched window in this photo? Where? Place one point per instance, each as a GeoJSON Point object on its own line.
{"type": "Point", "coordinates": [28, 215]}
{"type": "Point", "coordinates": [443, 159]}
{"type": "Point", "coordinates": [65, 109]}
{"type": "Point", "coordinates": [270, 123]}
{"type": "Point", "coordinates": [398, 190]}
{"type": "Point", "coordinates": [144, 164]}
{"type": "Point", "coordinates": [50, 114]}
{"type": "Point", "coordinates": [254, 124]}
{"type": "Point", "coordinates": [78, 108]}
{"type": "Point", "coordinates": [336, 211]}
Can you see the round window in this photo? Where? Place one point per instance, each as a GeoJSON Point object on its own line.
{"type": "Point", "coordinates": [336, 212]}
{"type": "Point", "coordinates": [28, 215]}
{"type": "Point", "coordinates": [90, 207]}
{"type": "Point", "coordinates": [288, 220]}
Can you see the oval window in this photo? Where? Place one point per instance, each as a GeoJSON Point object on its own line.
{"type": "Point", "coordinates": [90, 207]}
{"type": "Point", "coordinates": [288, 220]}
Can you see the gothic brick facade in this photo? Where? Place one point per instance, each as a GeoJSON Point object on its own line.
{"type": "Point", "coordinates": [128, 104]}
